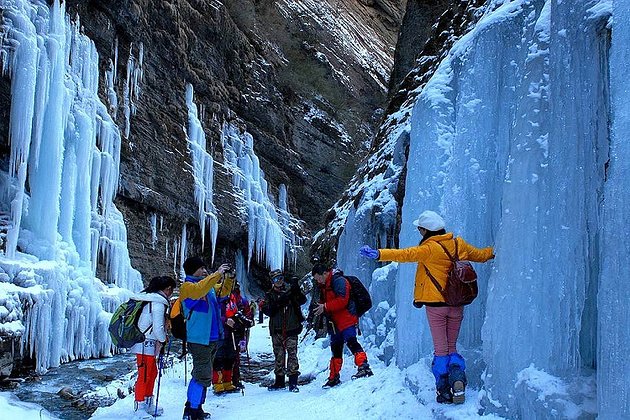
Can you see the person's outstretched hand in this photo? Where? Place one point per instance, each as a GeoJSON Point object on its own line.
{"type": "Point", "coordinates": [368, 252]}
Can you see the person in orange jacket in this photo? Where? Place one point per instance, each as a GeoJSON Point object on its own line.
{"type": "Point", "coordinates": [444, 321]}
{"type": "Point", "coordinates": [336, 304]}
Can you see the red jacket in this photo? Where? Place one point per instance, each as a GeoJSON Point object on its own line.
{"type": "Point", "coordinates": [336, 299]}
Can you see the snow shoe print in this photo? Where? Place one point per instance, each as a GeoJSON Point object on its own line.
{"type": "Point", "coordinates": [363, 371]}
{"type": "Point", "coordinates": [459, 392]}
{"type": "Point", "coordinates": [332, 382]}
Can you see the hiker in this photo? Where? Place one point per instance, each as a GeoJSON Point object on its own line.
{"type": "Point", "coordinates": [282, 305]}
{"type": "Point", "coordinates": [203, 329]}
{"type": "Point", "coordinates": [253, 307]}
{"type": "Point", "coordinates": [223, 363]}
{"type": "Point", "coordinates": [342, 323]}
{"type": "Point", "coordinates": [240, 312]}
{"type": "Point", "coordinates": [444, 321]}
{"type": "Point", "coordinates": [152, 320]}
{"type": "Point", "coordinates": [260, 311]}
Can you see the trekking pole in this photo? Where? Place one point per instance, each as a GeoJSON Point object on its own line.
{"type": "Point", "coordinates": [160, 368]}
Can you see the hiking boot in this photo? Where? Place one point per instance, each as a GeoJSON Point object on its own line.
{"type": "Point", "coordinates": [195, 414]}
{"type": "Point", "coordinates": [149, 407]}
{"type": "Point", "coordinates": [334, 381]}
{"type": "Point", "coordinates": [139, 405]}
{"type": "Point", "coordinates": [231, 389]}
{"type": "Point", "coordinates": [293, 386]}
{"type": "Point", "coordinates": [278, 384]}
{"type": "Point", "coordinates": [444, 397]}
{"type": "Point", "coordinates": [363, 371]}
{"type": "Point", "coordinates": [457, 381]}
{"type": "Point", "coordinates": [459, 392]}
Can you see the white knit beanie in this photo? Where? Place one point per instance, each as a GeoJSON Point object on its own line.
{"type": "Point", "coordinates": [429, 220]}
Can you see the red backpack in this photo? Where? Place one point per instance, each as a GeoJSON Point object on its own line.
{"type": "Point", "coordinates": [461, 282]}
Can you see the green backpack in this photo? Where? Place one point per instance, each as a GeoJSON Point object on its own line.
{"type": "Point", "coordinates": [123, 327]}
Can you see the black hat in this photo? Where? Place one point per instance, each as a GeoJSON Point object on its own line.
{"type": "Point", "coordinates": [193, 264]}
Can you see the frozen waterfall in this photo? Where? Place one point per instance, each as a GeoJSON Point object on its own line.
{"type": "Point", "coordinates": [272, 231]}
{"type": "Point", "coordinates": [203, 173]}
{"type": "Point", "coordinates": [63, 222]}
{"type": "Point", "coordinates": [510, 142]}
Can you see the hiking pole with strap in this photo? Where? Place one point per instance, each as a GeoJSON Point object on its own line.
{"type": "Point", "coordinates": [160, 368]}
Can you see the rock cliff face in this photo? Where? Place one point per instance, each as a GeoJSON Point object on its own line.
{"type": "Point", "coordinates": [428, 31]}
{"type": "Point", "coordinates": [306, 78]}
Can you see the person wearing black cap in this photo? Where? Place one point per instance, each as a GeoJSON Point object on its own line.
{"type": "Point", "coordinates": [282, 306]}
{"type": "Point", "coordinates": [203, 328]}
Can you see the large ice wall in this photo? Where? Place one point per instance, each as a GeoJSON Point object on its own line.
{"type": "Point", "coordinates": [510, 142]}
{"type": "Point", "coordinates": [62, 221]}
{"type": "Point", "coordinates": [614, 288]}
{"type": "Point", "coordinates": [272, 231]}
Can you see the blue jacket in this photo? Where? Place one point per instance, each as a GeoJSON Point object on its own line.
{"type": "Point", "coordinates": [199, 296]}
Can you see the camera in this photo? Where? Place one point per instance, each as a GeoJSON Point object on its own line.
{"type": "Point", "coordinates": [242, 319]}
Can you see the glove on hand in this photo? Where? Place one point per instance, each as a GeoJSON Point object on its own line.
{"type": "Point", "coordinates": [368, 252]}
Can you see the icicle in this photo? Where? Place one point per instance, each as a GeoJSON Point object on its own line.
{"type": "Point", "coordinates": [153, 230]}
{"type": "Point", "coordinates": [64, 139]}
{"type": "Point", "coordinates": [271, 231]}
{"type": "Point", "coordinates": [203, 172]}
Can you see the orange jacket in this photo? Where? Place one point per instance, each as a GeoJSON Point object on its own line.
{"type": "Point", "coordinates": [431, 255]}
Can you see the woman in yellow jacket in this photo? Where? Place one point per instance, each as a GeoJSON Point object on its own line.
{"type": "Point", "coordinates": [444, 321]}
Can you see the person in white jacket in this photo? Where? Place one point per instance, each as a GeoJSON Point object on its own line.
{"type": "Point", "coordinates": [152, 320]}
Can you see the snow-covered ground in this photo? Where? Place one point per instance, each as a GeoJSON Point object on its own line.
{"type": "Point", "coordinates": [384, 395]}
{"type": "Point", "coordinates": [12, 408]}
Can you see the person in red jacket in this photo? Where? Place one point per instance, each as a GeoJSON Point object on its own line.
{"type": "Point", "coordinates": [336, 304]}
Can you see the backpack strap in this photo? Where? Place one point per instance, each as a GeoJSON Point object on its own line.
{"type": "Point", "coordinates": [450, 257]}
{"type": "Point", "coordinates": [434, 281]}
{"type": "Point", "coordinates": [151, 324]}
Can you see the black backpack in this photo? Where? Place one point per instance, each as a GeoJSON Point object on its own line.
{"type": "Point", "coordinates": [359, 295]}
{"type": "Point", "coordinates": [178, 320]}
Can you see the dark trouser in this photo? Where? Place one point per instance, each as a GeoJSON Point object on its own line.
{"type": "Point", "coordinates": [224, 357]}
{"type": "Point", "coordinates": [285, 347]}
{"type": "Point", "coordinates": [348, 336]}
{"type": "Point", "coordinates": [203, 357]}
{"type": "Point", "coordinates": [236, 367]}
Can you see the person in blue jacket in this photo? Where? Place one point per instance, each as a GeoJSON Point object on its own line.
{"type": "Point", "coordinates": [203, 328]}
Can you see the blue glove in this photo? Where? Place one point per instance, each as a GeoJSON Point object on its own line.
{"type": "Point", "coordinates": [368, 252]}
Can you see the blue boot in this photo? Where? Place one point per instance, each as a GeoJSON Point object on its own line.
{"type": "Point", "coordinates": [439, 367]}
{"type": "Point", "coordinates": [457, 377]}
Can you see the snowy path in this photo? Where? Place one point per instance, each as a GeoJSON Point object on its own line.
{"type": "Point", "coordinates": [383, 395]}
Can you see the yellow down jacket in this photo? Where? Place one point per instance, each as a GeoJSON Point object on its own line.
{"type": "Point", "coordinates": [431, 255]}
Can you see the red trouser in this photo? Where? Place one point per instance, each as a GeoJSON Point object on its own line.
{"type": "Point", "coordinates": [444, 322]}
{"type": "Point", "coordinates": [147, 372]}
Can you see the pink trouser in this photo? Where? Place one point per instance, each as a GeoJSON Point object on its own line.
{"type": "Point", "coordinates": [444, 322]}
